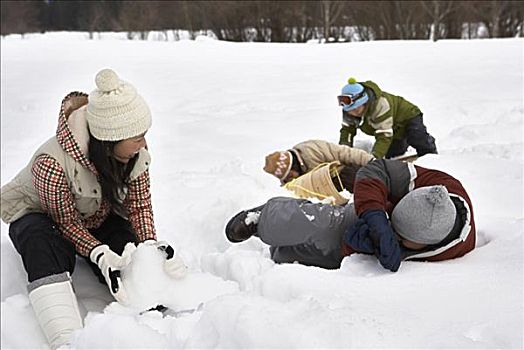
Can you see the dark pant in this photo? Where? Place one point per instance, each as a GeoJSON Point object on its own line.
{"type": "Point", "coordinates": [305, 254]}
{"type": "Point", "coordinates": [417, 137]}
{"type": "Point", "coordinates": [347, 174]}
{"type": "Point", "coordinates": [46, 252]}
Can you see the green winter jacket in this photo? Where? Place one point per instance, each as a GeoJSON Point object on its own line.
{"type": "Point", "coordinates": [385, 117]}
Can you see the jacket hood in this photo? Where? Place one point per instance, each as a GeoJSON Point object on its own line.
{"type": "Point", "coordinates": [298, 156]}
{"type": "Point", "coordinates": [374, 87]}
{"type": "Point", "coordinates": [72, 133]}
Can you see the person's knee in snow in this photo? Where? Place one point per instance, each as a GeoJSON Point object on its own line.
{"type": "Point", "coordinates": [43, 249]}
{"type": "Point", "coordinates": [418, 137]}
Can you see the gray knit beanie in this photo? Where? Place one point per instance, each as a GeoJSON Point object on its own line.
{"type": "Point", "coordinates": [115, 110]}
{"type": "Point", "coordinates": [426, 215]}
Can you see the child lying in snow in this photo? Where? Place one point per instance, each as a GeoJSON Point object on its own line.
{"type": "Point", "coordinates": [430, 218]}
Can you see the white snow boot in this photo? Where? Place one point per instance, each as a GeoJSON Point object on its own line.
{"type": "Point", "coordinates": [56, 308]}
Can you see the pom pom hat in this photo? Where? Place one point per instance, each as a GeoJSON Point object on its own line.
{"type": "Point", "coordinates": [426, 215]}
{"type": "Point", "coordinates": [115, 110]}
{"type": "Point", "coordinates": [353, 89]}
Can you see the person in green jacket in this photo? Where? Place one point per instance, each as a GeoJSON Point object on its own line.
{"type": "Point", "coordinates": [395, 122]}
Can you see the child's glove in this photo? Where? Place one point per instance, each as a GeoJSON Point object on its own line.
{"type": "Point", "coordinates": [357, 237]}
{"type": "Point", "coordinates": [110, 263]}
{"type": "Point", "coordinates": [385, 243]}
{"type": "Point", "coordinates": [174, 265]}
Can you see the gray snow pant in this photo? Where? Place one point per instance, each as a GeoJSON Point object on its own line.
{"type": "Point", "coordinates": [304, 232]}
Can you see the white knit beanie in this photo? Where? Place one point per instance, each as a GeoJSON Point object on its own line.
{"type": "Point", "coordinates": [115, 111]}
{"type": "Point", "coordinates": [425, 215]}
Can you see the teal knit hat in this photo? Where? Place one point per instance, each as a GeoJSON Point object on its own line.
{"type": "Point", "coordinates": [356, 92]}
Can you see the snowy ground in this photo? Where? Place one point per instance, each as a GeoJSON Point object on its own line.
{"type": "Point", "coordinates": [218, 109]}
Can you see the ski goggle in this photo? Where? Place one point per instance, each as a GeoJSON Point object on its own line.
{"type": "Point", "coordinates": [348, 100]}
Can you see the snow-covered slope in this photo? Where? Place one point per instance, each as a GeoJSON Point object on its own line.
{"type": "Point", "coordinates": [218, 109]}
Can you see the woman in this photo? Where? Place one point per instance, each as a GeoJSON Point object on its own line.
{"type": "Point", "coordinates": [85, 191]}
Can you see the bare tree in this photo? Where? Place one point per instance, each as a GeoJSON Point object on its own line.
{"type": "Point", "coordinates": [301, 21]}
{"type": "Point", "coordinates": [513, 25]}
{"type": "Point", "coordinates": [506, 18]}
{"type": "Point", "coordinates": [408, 19]}
{"type": "Point", "coordinates": [330, 11]}
{"type": "Point", "coordinates": [273, 21]}
{"type": "Point", "coordinates": [457, 22]}
{"type": "Point", "coordinates": [275, 14]}
{"type": "Point", "coordinates": [19, 17]}
{"type": "Point", "coordinates": [228, 20]}
{"type": "Point", "coordinates": [188, 19]}
{"type": "Point", "coordinates": [501, 18]}
{"type": "Point", "coordinates": [97, 16]}
{"type": "Point", "coordinates": [437, 10]}
{"type": "Point", "coordinates": [361, 17]}
{"type": "Point", "coordinates": [139, 17]}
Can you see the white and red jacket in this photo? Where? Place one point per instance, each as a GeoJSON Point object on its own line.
{"type": "Point", "coordinates": [62, 182]}
{"type": "Point", "coordinates": [383, 183]}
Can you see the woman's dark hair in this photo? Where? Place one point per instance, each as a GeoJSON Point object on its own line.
{"type": "Point", "coordinates": [114, 175]}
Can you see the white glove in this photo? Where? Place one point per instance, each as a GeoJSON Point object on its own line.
{"type": "Point", "coordinates": [110, 263]}
{"type": "Point", "coordinates": [174, 265]}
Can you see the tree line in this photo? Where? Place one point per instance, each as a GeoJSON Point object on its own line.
{"type": "Point", "coordinates": [272, 21]}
